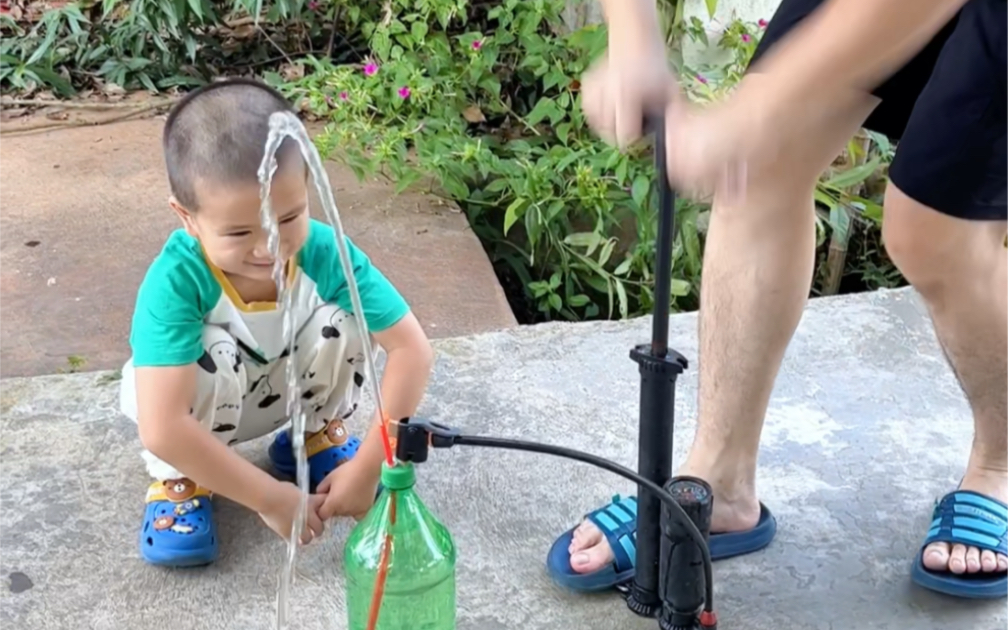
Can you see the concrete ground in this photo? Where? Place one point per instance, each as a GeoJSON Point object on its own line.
{"type": "Point", "coordinates": [85, 211]}
{"type": "Point", "coordinates": [866, 428]}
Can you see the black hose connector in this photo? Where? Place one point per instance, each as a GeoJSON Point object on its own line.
{"type": "Point", "coordinates": [415, 437]}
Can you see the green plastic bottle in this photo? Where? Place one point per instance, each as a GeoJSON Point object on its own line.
{"type": "Point", "coordinates": [419, 589]}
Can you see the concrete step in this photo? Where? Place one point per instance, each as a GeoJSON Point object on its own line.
{"type": "Point", "coordinates": [866, 427]}
{"type": "Point", "coordinates": [85, 210]}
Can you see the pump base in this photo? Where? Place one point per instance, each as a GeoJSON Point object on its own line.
{"type": "Point", "coordinates": [641, 609]}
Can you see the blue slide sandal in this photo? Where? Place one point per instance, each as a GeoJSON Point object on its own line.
{"type": "Point", "coordinates": [618, 522]}
{"type": "Point", "coordinates": [975, 520]}
{"type": "Point", "coordinates": [179, 528]}
{"type": "Point", "coordinates": [326, 450]}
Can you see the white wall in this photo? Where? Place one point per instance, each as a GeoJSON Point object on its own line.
{"type": "Point", "coordinates": [581, 12]}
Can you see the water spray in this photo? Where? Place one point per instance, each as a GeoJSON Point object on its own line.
{"type": "Point", "coordinates": [673, 579]}
{"type": "Point", "coordinates": [284, 125]}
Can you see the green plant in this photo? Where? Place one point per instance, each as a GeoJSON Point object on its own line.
{"type": "Point", "coordinates": [481, 104]}
{"type": "Point", "coordinates": [491, 117]}
{"type": "Point", "coordinates": [162, 44]}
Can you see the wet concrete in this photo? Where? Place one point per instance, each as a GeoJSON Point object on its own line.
{"type": "Point", "coordinates": [85, 211]}
{"type": "Point", "coordinates": [867, 426]}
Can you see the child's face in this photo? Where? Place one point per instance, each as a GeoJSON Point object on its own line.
{"type": "Point", "coordinates": [227, 223]}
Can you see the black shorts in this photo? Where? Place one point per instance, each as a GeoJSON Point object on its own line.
{"type": "Point", "coordinates": [946, 108]}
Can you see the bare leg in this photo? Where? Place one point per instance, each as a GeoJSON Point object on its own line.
{"type": "Point", "coordinates": [757, 273]}
{"type": "Point", "coordinates": [960, 269]}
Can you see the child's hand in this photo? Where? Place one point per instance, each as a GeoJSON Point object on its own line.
{"type": "Point", "coordinates": [282, 505]}
{"type": "Point", "coordinates": [349, 490]}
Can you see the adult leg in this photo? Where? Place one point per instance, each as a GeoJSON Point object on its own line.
{"type": "Point", "coordinates": [756, 277]}
{"type": "Point", "coordinates": [960, 268]}
{"type": "Point", "coordinates": [758, 263]}
{"type": "Point", "coordinates": [945, 227]}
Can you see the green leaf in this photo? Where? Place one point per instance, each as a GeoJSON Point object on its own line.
{"type": "Point", "coordinates": [147, 82]}
{"type": "Point", "coordinates": [579, 300]}
{"type": "Point", "coordinates": [538, 288]}
{"type": "Point", "coordinates": [624, 267]}
{"type": "Point", "coordinates": [621, 171]}
{"type": "Point", "coordinates": [582, 239]}
{"type": "Point", "coordinates": [606, 252]}
{"type": "Point", "coordinates": [624, 306]}
{"type": "Point", "coordinates": [419, 31]}
{"type": "Point", "coordinates": [197, 8]}
{"type": "Point", "coordinates": [496, 185]}
{"type": "Point", "coordinates": [679, 287]}
{"type": "Point", "coordinates": [840, 222]}
{"type": "Point", "coordinates": [542, 109]}
{"type": "Point", "coordinates": [711, 7]}
{"type": "Point", "coordinates": [563, 132]}
{"type": "Point", "coordinates": [639, 190]}
{"type": "Point", "coordinates": [555, 302]}
{"type": "Point", "coordinates": [513, 213]}
{"type": "Point", "coordinates": [54, 80]}
{"type": "Point", "coordinates": [854, 176]}
{"type": "Point", "coordinates": [825, 198]}
{"type": "Point", "coordinates": [407, 179]}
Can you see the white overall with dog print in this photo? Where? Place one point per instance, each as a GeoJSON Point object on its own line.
{"type": "Point", "coordinates": [239, 348]}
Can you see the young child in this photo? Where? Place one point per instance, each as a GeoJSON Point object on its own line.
{"type": "Point", "coordinates": [209, 362]}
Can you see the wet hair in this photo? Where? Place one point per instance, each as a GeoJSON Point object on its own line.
{"type": "Point", "coordinates": [217, 133]}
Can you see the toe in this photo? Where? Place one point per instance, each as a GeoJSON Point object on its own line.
{"type": "Point", "coordinates": [988, 561]}
{"type": "Point", "coordinates": [936, 556]}
{"type": "Point", "coordinates": [592, 559]}
{"type": "Point", "coordinates": [586, 535]}
{"type": "Point", "coordinates": [972, 560]}
{"type": "Point", "coordinates": [1002, 563]}
{"type": "Point", "coordinates": [957, 559]}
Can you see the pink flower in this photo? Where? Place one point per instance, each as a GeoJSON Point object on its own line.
{"type": "Point", "coordinates": [701, 78]}
{"type": "Point", "coordinates": [762, 23]}
{"type": "Point", "coordinates": [476, 45]}
{"type": "Point", "coordinates": [312, 5]}
{"type": "Point", "coordinates": [404, 92]}
{"type": "Point", "coordinates": [343, 96]}
{"type": "Point", "coordinates": [746, 37]}
{"type": "Point", "coordinates": [370, 69]}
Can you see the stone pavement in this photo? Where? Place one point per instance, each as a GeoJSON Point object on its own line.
{"type": "Point", "coordinates": [866, 427]}
{"type": "Point", "coordinates": [85, 210]}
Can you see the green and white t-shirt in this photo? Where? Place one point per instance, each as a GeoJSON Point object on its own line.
{"type": "Point", "coordinates": [183, 292]}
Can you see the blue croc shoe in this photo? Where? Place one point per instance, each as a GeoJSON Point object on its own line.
{"type": "Point", "coordinates": [178, 528]}
{"type": "Point", "coordinates": [325, 450]}
{"type": "Point", "coordinates": [618, 522]}
{"type": "Point", "coordinates": [975, 520]}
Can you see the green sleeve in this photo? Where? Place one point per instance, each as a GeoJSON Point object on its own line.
{"type": "Point", "coordinates": [383, 305]}
{"type": "Point", "coordinates": [172, 302]}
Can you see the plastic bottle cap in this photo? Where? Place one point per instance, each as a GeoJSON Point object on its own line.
{"type": "Point", "coordinates": [399, 477]}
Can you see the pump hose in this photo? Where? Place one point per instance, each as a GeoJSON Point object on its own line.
{"type": "Point", "coordinates": [594, 460]}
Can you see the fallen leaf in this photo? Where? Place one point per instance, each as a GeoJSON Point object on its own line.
{"type": "Point", "coordinates": [243, 31]}
{"type": "Point", "coordinates": [292, 72]}
{"type": "Point", "coordinates": [113, 91]}
{"type": "Point", "coordinates": [473, 114]}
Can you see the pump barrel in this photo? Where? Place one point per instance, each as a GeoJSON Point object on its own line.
{"type": "Point", "coordinates": [682, 567]}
